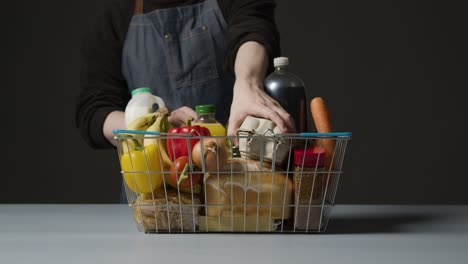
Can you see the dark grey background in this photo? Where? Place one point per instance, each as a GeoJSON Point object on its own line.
{"type": "Point", "coordinates": [392, 72]}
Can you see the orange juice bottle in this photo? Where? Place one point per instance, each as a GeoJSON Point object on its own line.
{"type": "Point", "coordinates": [206, 118]}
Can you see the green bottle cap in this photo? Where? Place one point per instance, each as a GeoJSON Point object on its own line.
{"type": "Point", "coordinates": [205, 109]}
{"type": "Point", "coordinates": [141, 90]}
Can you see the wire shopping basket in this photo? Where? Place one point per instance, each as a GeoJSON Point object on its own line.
{"type": "Point", "coordinates": [242, 184]}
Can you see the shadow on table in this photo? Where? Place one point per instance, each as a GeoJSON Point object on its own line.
{"type": "Point", "coordinates": [376, 224]}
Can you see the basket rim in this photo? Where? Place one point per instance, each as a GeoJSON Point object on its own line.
{"type": "Point", "coordinates": [118, 132]}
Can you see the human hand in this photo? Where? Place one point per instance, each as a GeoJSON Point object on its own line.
{"type": "Point", "coordinates": [180, 115]}
{"type": "Point", "coordinates": [250, 99]}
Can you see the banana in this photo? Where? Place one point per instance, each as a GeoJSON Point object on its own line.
{"type": "Point", "coordinates": [155, 127]}
{"type": "Point", "coordinates": [141, 123]}
{"type": "Point", "coordinates": [127, 143]}
{"type": "Point", "coordinates": [160, 122]}
{"type": "Point", "coordinates": [165, 125]}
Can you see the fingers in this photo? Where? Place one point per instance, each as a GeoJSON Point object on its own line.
{"type": "Point", "coordinates": [234, 124]}
{"type": "Point", "coordinates": [259, 104]}
{"type": "Point", "coordinates": [287, 122]}
{"type": "Point", "coordinates": [176, 122]}
{"type": "Point", "coordinates": [179, 116]}
{"type": "Point", "coordinates": [278, 115]}
{"type": "Point", "coordinates": [281, 118]}
{"type": "Point", "coordinates": [189, 112]}
{"type": "Point", "coordinates": [272, 110]}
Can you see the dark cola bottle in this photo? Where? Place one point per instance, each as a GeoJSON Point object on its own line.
{"type": "Point", "coordinates": [289, 91]}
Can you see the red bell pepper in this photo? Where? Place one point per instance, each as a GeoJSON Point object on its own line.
{"type": "Point", "coordinates": [180, 146]}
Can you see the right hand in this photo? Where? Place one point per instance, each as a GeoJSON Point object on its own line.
{"type": "Point", "coordinates": [250, 99]}
{"type": "Point", "coordinates": [179, 116]}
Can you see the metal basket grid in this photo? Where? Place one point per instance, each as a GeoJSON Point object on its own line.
{"type": "Point", "coordinates": [252, 192]}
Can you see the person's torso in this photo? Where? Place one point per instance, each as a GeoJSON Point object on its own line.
{"type": "Point", "coordinates": [179, 52]}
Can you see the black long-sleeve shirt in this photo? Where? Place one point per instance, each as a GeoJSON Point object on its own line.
{"type": "Point", "coordinates": [103, 86]}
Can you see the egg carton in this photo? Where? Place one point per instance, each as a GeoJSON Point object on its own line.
{"type": "Point", "coordinates": [257, 140]}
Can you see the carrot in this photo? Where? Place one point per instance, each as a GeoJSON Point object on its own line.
{"type": "Point", "coordinates": [323, 124]}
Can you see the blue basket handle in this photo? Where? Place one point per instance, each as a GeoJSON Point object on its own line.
{"type": "Point", "coordinates": [331, 134]}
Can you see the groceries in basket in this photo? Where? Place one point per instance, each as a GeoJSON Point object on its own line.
{"type": "Point", "coordinates": [185, 180]}
{"type": "Point", "coordinates": [257, 140]}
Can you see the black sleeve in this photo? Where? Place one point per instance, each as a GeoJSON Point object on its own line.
{"type": "Point", "coordinates": [250, 20]}
{"type": "Point", "coordinates": [103, 87]}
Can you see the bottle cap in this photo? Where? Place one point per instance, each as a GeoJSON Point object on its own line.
{"type": "Point", "coordinates": [281, 61]}
{"type": "Point", "coordinates": [141, 90]}
{"type": "Point", "coordinates": [204, 109]}
{"type": "Point", "coordinates": [314, 157]}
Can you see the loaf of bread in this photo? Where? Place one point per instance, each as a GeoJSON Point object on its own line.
{"type": "Point", "coordinates": [248, 187]}
{"type": "Point", "coordinates": [238, 224]}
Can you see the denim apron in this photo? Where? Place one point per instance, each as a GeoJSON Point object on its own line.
{"type": "Point", "coordinates": [179, 53]}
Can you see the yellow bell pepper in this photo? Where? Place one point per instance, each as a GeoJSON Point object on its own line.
{"type": "Point", "coordinates": [142, 168]}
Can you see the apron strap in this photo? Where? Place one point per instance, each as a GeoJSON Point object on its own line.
{"type": "Point", "coordinates": [138, 7]}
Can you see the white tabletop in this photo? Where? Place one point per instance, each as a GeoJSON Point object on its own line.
{"type": "Point", "coordinates": [356, 234]}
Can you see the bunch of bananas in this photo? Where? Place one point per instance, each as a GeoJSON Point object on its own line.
{"type": "Point", "coordinates": [152, 122]}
